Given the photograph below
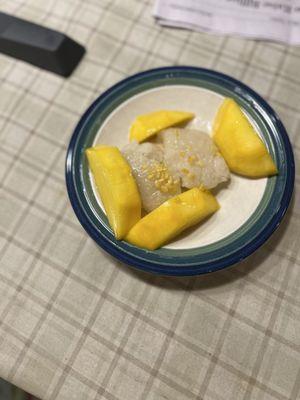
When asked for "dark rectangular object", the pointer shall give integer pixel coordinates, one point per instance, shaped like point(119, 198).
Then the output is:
point(40, 46)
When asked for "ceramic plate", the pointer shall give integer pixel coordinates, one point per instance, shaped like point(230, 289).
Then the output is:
point(250, 209)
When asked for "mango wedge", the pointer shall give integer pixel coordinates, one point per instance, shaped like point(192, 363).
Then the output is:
point(239, 144)
point(148, 125)
point(116, 186)
point(172, 217)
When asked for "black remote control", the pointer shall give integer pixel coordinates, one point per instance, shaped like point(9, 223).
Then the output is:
point(40, 46)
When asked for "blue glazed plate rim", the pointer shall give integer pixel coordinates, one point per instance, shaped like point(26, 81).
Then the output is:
point(131, 259)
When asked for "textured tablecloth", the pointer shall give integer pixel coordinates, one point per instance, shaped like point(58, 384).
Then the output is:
point(77, 324)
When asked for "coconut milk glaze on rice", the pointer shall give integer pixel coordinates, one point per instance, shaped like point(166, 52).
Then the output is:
point(181, 159)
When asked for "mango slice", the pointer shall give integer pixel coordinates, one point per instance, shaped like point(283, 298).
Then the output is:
point(172, 217)
point(147, 125)
point(116, 186)
point(240, 145)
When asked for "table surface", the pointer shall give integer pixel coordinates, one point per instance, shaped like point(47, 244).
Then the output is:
point(77, 324)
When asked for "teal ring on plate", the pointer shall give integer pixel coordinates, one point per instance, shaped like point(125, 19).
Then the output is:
point(221, 254)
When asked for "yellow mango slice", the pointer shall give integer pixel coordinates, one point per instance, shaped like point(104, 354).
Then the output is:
point(147, 125)
point(116, 186)
point(172, 217)
point(240, 145)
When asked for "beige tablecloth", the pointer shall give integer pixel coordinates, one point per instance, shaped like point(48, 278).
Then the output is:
point(75, 323)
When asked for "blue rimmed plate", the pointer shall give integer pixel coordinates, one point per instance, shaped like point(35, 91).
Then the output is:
point(250, 209)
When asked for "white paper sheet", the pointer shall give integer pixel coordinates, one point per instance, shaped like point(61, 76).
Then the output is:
point(261, 19)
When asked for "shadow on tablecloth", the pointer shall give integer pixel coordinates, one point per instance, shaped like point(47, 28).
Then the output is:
point(11, 392)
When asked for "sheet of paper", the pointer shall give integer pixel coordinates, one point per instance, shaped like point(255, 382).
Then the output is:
point(261, 19)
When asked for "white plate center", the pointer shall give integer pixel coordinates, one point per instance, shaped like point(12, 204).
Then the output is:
point(238, 200)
